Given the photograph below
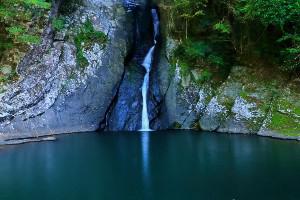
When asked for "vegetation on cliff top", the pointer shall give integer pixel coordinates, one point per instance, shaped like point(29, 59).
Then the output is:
point(234, 32)
point(21, 24)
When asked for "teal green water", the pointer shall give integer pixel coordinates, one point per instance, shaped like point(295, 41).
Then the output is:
point(158, 165)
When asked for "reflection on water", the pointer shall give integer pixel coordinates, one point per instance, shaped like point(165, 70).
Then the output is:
point(145, 137)
point(157, 165)
point(145, 153)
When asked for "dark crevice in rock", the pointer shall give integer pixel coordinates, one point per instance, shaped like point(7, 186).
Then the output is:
point(125, 113)
point(104, 123)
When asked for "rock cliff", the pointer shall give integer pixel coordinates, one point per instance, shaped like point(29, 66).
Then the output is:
point(251, 100)
point(54, 93)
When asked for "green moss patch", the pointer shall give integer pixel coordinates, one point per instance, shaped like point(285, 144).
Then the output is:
point(86, 37)
point(58, 23)
point(286, 113)
point(285, 124)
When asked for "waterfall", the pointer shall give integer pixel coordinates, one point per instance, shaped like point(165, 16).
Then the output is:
point(147, 64)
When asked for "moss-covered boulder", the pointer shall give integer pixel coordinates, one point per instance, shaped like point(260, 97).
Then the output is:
point(242, 102)
point(283, 120)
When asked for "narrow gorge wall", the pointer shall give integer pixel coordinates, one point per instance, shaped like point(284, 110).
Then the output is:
point(125, 113)
point(54, 94)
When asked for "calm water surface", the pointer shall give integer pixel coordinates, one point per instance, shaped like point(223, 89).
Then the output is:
point(157, 165)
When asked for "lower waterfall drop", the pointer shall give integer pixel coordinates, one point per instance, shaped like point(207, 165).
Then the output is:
point(147, 64)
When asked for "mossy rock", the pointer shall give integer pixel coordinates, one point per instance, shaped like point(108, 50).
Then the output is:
point(245, 97)
point(284, 117)
point(86, 37)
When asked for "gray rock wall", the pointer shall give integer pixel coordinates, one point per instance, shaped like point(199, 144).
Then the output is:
point(54, 95)
point(251, 100)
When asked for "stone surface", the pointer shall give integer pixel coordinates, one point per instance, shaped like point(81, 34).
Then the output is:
point(283, 120)
point(126, 110)
point(251, 100)
point(54, 95)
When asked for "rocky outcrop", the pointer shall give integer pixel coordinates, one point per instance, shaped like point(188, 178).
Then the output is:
point(183, 101)
point(242, 102)
point(252, 100)
point(54, 94)
point(283, 120)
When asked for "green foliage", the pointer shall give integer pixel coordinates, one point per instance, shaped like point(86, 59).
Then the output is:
point(222, 27)
point(21, 23)
point(58, 23)
point(16, 17)
point(183, 12)
point(205, 76)
point(284, 15)
point(266, 30)
point(86, 37)
point(193, 54)
point(276, 12)
point(189, 9)
point(192, 51)
point(291, 54)
point(216, 60)
point(19, 35)
point(176, 125)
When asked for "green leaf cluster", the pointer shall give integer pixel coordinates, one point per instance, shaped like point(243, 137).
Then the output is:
point(281, 15)
point(16, 20)
point(85, 38)
point(244, 31)
point(21, 24)
point(192, 54)
point(58, 23)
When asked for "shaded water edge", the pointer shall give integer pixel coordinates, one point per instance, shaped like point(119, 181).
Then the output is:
point(15, 139)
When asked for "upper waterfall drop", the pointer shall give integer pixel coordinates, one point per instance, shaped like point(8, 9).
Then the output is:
point(147, 64)
point(155, 24)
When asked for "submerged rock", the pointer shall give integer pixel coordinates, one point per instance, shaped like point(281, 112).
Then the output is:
point(27, 140)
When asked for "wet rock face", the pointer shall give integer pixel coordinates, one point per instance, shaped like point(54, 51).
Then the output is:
point(126, 113)
point(250, 101)
point(241, 103)
point(55, 95)
point(283, 120)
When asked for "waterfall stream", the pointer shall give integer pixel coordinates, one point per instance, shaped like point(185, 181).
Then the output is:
point(147, 64)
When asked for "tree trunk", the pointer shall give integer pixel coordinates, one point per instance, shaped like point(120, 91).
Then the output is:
point(186, 29)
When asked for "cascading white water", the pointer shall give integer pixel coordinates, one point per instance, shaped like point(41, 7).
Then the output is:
point(147, 65)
